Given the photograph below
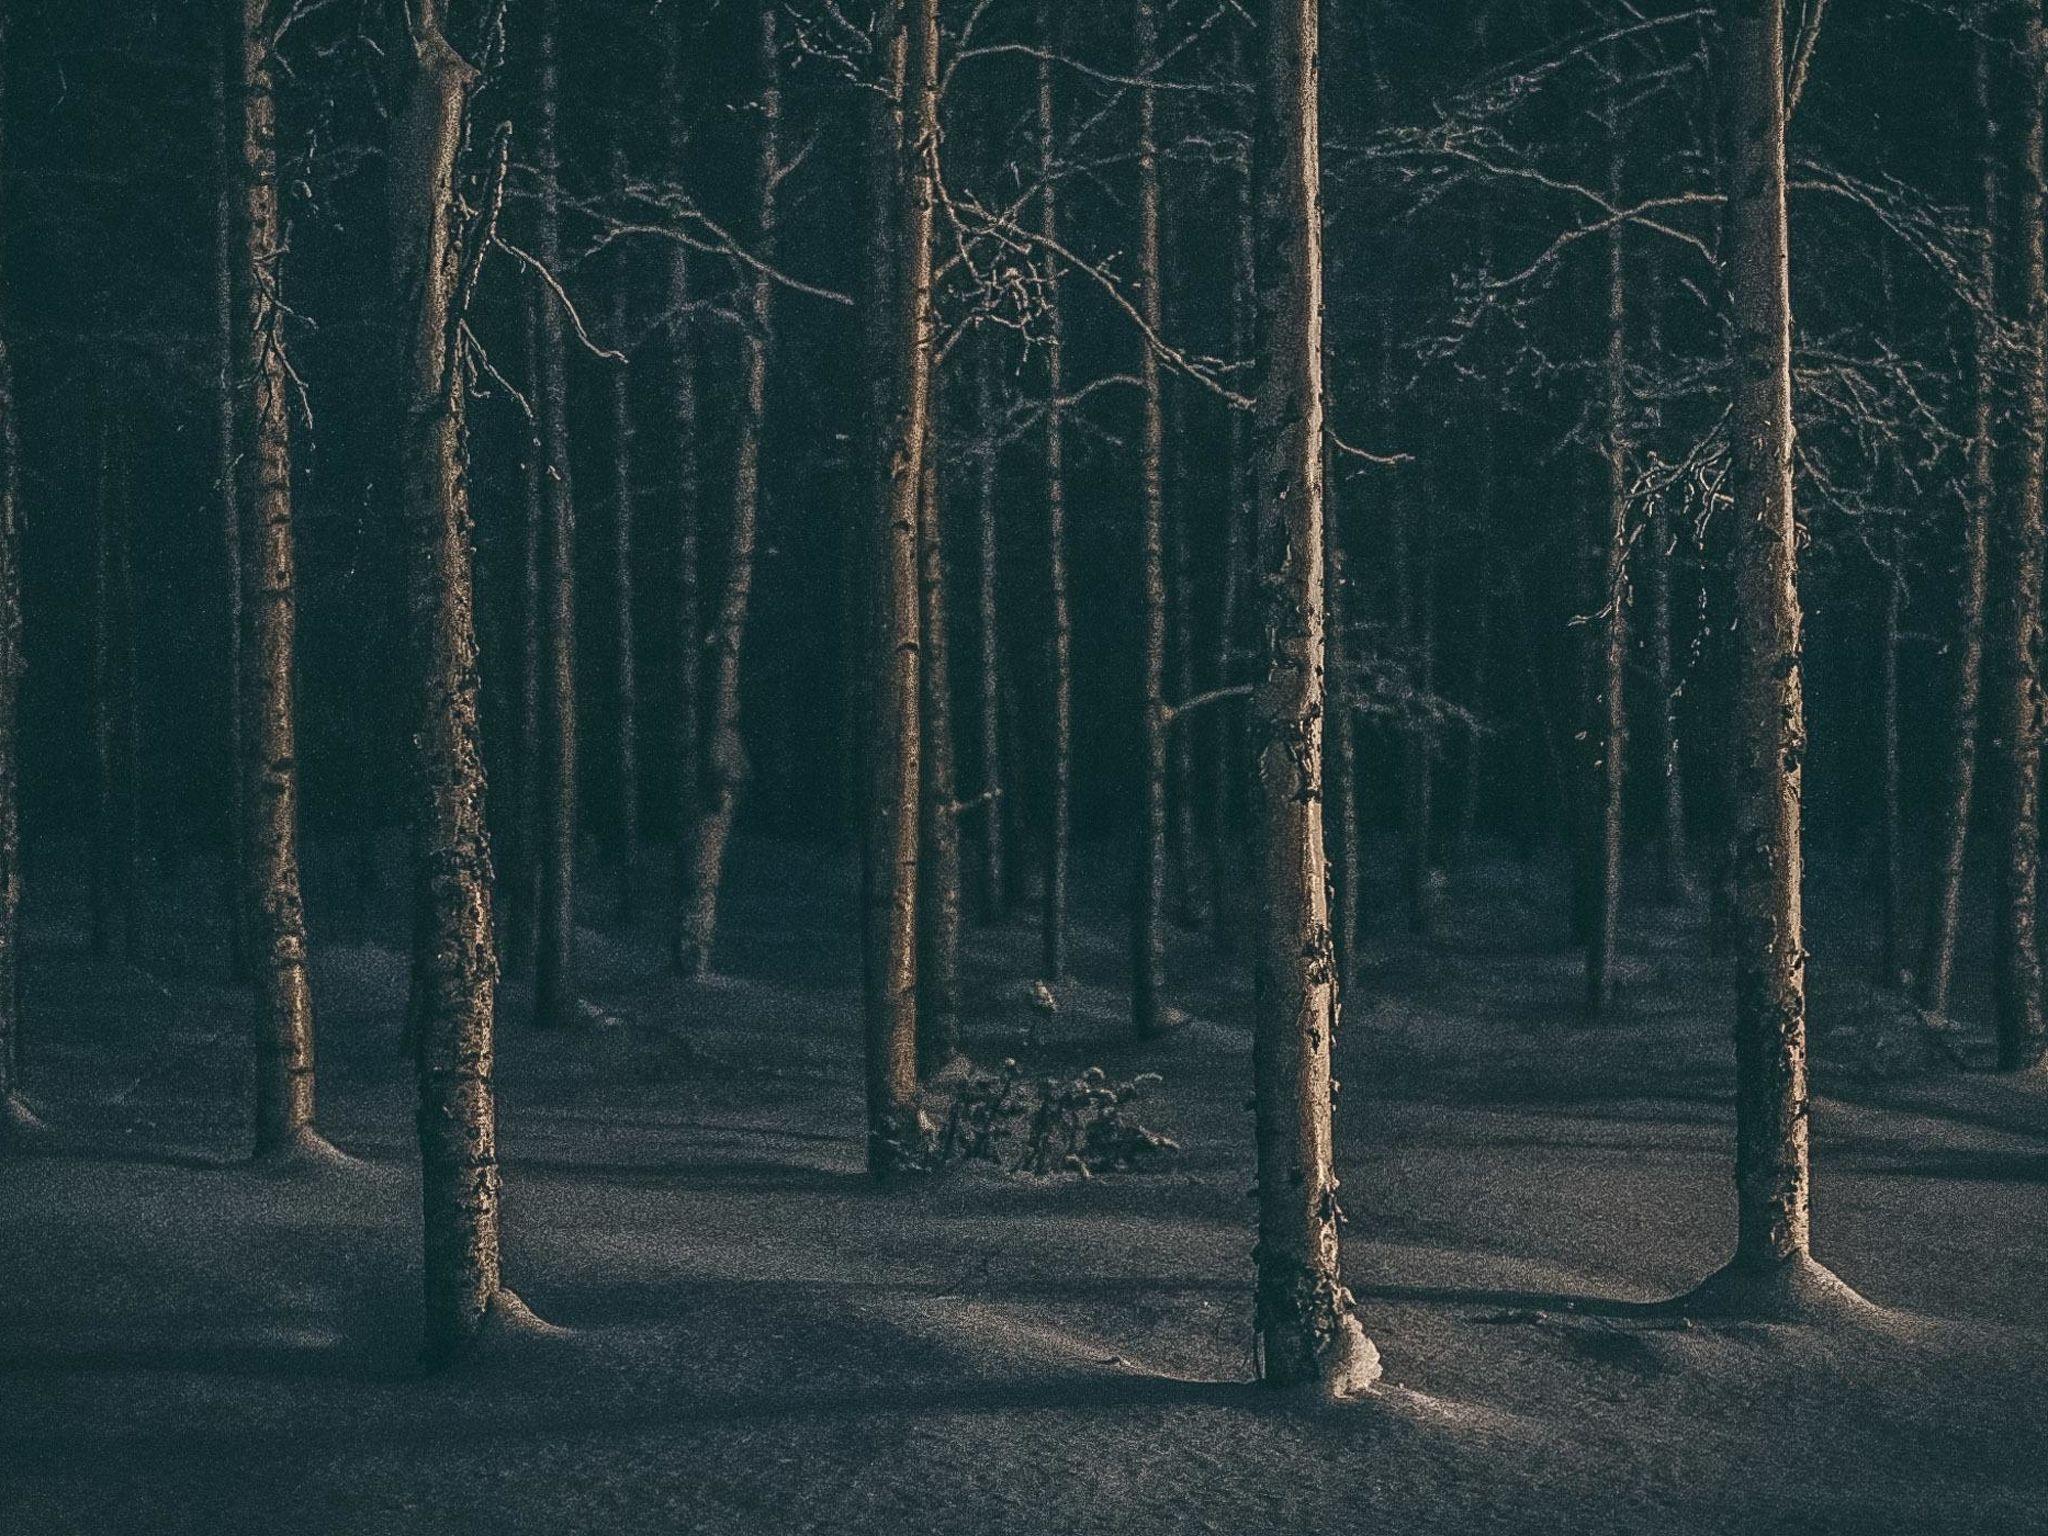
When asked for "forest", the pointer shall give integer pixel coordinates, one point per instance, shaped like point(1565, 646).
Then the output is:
point(721, 721)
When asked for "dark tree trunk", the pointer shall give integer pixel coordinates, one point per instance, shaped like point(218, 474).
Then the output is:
point(905, 122)
point(723, 769)
point(522, 881)
point(1953, 812)
point(1609, 726)
point(226, 454)
point(1891, 855)
point(988, 632)
point(1060, 667)
point(2017, 700)
point(270, 777)
point(1148, 906)
point(18, 1123)
point(103, 685)
point(555, 999)
point(1181, 788)
point(624, 641)
point(1340, 770)
point(455, 963)
point(1307, 1333)
point(689, 601)
point(1674, 861)
point(938, 870)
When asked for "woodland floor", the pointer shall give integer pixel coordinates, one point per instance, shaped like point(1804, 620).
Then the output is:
point(763, 1341)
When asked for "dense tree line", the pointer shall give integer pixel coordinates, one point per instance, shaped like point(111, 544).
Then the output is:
point(1213, 436)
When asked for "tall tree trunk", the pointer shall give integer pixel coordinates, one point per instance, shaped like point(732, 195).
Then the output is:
point(689, 602)
point(1891, 939)
point(989, 675)
point(1952, 817)
point(522, 880)
point(128, 866)
point(555, 1000)
point(938, 870)
point(1340, 770)
point(1772, 1273)
point(1307, 1333)
point(1060, 668)
point(103, 685)
point(18, 1122)
point(2017, 700)
point(1610, 715)
point(1148, 906)
point(226, 453)
point(270, 777)
point(455, 962)
point(906, 120)
point(723, 769)
point(1181, 786)
point(624, 641)
point(1674, 860)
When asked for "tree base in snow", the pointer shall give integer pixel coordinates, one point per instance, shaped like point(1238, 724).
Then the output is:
point(306, 1153)
point(1345, 1364)
point(508, 1330)
point(20, 1126)
point(1797, 1290)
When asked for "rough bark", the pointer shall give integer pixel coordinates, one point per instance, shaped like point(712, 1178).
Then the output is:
point(455, 967)
point(269, 603)
point(1148, 904)
point(988, 633)
point(624, 633)
point(938, 869)
point(722, 769)
point(555, 999)
point(1307, 1333)
point(1953, 811)
point(2017, 699)
point(1060, 625)
point(905, 120)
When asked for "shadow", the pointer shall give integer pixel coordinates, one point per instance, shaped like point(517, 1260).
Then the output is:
point(1520, 1306)
point(707, 1176)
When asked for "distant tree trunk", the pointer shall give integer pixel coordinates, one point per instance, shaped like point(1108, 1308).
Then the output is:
point(1773, 1272)
point(554, 973)
point(938, 870)
point(1610, 715)
point(455, 963)
point(1181, 790)
point(1307, 1333)
point(909, 39)
point(127, 848)
point(1891, 940)
point(226, 453)
point(624, 639)
point(1415, 582)
point(18, 1122)
point(2016, 644)
point(103, 683)
point(724, 761)
point(1148, 906)
point(1674, 859)
point(988, 678)
point(270, 778)
point(1060, 729)
point(522, 881)
point(1227, 743)
point(1952, 816)
point(689, 601)
point(1340, 770)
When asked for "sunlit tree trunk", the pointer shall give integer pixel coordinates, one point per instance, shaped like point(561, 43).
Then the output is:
point(270, 777)
point(455, 961)
point(1060, 626)
point(1307, 1333)
point(906, 120)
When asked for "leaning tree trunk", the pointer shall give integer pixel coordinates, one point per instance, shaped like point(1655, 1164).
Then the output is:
point(990, 673)
point(1060, 642)
point(226, 450)
point(624, 633)
point(1952, 816)
point(723, 761)
point(1307, 1333)
point(1148, 905)
point(938, 869)
point(554, 970)
point(269, 775)
point(689, 603)
point(455, 962)
point(1773, 1272)
point(2017, 701)
point(909, 40)
point(17, 1121)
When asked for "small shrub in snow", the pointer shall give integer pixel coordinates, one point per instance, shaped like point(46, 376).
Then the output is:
point(1039, 1125)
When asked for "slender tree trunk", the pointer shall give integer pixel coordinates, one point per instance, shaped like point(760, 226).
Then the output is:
point(555, 996)
point(1610, 715)
point(226, 455)
point(1891, 937)
point(102, 686)
point(938, 870)
point(724, 760)
point(2018, 701)
point(1674, 861)
point(1181, 787)
point(18, 1122)
point(689, 601)
point(455, 963)
point(523, 861)
point(1060, 669)
point(1952, 817)
point(1773, 1272)
point(128, 868)
point(1340, 775)
point(907, 120)
point(270, 778)
point(988, 679)
point(1148, 907)
point(1415, 582)
point(624, 634)
point(1307, 1333)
